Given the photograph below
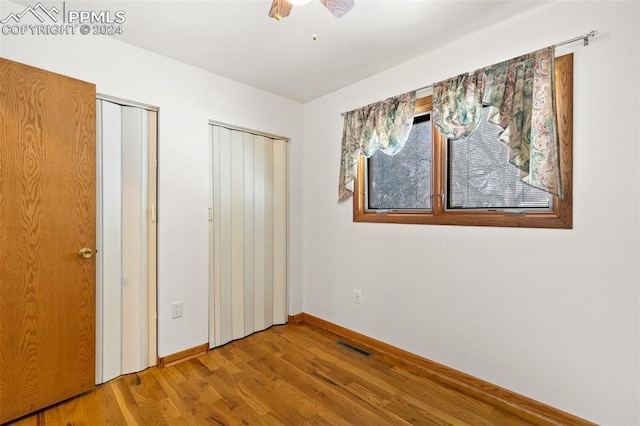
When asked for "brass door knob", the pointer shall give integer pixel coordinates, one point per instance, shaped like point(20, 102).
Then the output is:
point(87, 253)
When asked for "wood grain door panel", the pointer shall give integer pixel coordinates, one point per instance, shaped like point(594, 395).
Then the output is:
point(47, 214)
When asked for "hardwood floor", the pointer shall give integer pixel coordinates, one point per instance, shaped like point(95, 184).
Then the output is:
point(291, 374)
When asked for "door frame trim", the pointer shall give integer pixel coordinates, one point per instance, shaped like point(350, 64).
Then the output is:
point(125, 102)
point(247, 130)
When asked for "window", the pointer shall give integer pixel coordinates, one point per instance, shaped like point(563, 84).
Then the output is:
point(478, 177)
point(467, 181)
point(403, 181)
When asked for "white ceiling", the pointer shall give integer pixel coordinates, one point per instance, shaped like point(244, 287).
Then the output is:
point(236, 38)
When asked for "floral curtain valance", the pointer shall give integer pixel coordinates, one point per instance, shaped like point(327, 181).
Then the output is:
point(381, 126)
point(521, 96)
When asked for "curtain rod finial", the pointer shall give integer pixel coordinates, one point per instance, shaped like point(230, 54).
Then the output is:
point(589, 35)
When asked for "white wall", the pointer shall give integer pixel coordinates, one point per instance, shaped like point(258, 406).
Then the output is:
point(551, 314)
point(2, 16)
point(187, 98)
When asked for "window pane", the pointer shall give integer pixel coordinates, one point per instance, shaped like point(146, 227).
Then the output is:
point(403, 181)
point(480, 176)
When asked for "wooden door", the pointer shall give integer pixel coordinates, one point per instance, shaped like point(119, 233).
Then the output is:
point(47, 215)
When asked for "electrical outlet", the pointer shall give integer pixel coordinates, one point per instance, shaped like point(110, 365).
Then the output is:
point(357, 295)
point(176, 310)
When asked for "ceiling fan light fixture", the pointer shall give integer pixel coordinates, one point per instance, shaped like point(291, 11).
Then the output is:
point(282, 8)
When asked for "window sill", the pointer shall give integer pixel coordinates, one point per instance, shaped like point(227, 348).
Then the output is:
point(494, 219)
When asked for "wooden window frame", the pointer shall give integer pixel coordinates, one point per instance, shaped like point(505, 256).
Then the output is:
point(560, 217)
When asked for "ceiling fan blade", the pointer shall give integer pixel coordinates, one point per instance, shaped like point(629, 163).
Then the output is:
point(280, 9)
point(338, 8)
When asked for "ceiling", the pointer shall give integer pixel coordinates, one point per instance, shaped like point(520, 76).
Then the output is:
point(236, 38)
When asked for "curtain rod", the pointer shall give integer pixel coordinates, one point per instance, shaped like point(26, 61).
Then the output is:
point(585, 38)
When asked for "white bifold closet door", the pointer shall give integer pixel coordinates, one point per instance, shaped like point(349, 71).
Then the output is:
point(126, 152)
point(248, 264)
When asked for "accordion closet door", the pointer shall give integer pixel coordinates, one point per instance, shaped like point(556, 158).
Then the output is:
point(248, 237)
point(126, 259)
